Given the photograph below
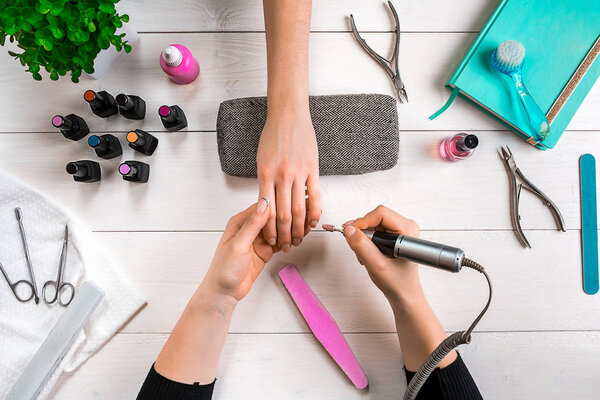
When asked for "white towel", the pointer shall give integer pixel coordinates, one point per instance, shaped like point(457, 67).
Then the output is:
point(24, 326)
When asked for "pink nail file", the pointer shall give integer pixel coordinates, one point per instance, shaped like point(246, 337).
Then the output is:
point(322, 325)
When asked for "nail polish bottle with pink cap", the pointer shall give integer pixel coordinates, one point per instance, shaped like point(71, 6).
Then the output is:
point(178, 62)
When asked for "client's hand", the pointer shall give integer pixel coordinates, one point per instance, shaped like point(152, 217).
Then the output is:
point(240, 256)
point(397, 279)
point(288, 169)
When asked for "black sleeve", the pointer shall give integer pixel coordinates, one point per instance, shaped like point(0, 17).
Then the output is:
point(157, 387)
point(453, 382)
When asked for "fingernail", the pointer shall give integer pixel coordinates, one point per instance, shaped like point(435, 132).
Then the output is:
point(347, 223)
point(272, 241)
point(262, 205)
point(285, 247)
point(313, 223)
point(296, 241)
point(349, 230)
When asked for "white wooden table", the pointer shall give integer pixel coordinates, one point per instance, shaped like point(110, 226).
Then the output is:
point(541, 338)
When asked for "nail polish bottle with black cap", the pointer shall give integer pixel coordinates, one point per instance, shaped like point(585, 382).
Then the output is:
point(142, 141)
point(101, 103)
point(130, 106)
point(72, 126)
point(106, 146)
point(135, 171)
point(84, 170)
point(172, 117)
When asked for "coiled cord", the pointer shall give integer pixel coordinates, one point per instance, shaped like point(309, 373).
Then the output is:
point(448, 344)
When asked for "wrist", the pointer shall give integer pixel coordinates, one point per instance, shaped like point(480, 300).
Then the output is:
point(205, 299)
point(407, 299)
point(287, 105)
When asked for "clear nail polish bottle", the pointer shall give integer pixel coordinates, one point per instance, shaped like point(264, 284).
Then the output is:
point(458, 147)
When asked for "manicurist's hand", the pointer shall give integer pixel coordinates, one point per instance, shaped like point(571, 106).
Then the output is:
point(419, 331)
point(192, 352)
point(397, 279)
point(288, 170)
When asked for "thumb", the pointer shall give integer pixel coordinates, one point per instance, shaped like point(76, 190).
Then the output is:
point(255, 222)
point(366, 251)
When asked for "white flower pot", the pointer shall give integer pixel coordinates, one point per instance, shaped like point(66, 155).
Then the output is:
point(106, 58)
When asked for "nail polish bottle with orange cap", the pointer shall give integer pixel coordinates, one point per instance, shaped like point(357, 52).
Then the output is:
point(142, 141)
point(101, 103)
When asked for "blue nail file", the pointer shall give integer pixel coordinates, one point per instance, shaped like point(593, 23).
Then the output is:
point(589, 223)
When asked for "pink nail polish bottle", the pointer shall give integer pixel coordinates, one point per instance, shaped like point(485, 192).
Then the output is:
point(178, 62)
point(458, 147)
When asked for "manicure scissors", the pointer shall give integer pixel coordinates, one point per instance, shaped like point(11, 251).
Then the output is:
point(390, 66)
point(59, 286)
point(14, 286)
point(19, 216)
point(515, 190)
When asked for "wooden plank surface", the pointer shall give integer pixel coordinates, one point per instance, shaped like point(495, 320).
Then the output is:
point(247, 15)
point(519, 365)
point(188, 191)
point(541, 338)
point(534, 289)
point(234, 65)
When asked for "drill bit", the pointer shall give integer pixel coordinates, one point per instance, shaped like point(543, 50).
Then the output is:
point(332, 228)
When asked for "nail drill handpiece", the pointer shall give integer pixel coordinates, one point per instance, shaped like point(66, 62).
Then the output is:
point(414, 249)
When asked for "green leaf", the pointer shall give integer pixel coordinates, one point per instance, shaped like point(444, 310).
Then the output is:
point(54, 75)
point(48, 45)
point(43, 9)
point(106, 6)
point(92, 27)
point(103, 42)
point(37, 76)
point(108, 31)
point(88, 68)
point(125, 18)
point(13, 54)
point(127, 48)
point(57, 32)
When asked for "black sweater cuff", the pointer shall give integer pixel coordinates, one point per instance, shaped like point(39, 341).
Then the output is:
point(453, 382)
point(157, 387)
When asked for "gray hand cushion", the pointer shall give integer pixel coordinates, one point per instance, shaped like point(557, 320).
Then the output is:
point(356, 133)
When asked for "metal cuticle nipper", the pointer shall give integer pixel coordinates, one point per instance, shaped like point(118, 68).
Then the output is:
point(390, 66)
point(515, 189)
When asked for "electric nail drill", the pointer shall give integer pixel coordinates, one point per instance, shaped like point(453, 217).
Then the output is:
point(434, 255)
point(130, 106)
point(414, 249)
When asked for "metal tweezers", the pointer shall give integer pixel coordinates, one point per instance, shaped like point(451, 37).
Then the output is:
point(515, 190)
point(390, 66)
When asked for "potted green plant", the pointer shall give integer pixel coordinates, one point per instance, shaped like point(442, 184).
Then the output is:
point(61, 36)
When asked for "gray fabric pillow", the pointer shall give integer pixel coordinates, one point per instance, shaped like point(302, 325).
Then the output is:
point(356, 133)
